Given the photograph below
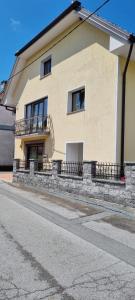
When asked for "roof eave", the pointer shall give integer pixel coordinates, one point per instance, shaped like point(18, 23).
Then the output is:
point(107, 26)
point(74, 6)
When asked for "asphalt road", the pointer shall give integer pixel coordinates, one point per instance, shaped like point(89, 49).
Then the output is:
point(55, 249)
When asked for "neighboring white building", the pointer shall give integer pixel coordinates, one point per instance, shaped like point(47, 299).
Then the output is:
point(6, 136)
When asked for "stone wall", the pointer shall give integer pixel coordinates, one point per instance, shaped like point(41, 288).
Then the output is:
point(115, 191)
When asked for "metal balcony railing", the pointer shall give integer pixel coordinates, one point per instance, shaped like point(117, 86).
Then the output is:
point(37, 124)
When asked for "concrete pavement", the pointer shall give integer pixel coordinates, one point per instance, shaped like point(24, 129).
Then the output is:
point(54, 248)
point(6, 176)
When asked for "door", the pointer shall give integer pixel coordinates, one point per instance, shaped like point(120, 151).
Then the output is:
point(35, 117)
point(35, 151)
point(28, 115)
point(36, 112)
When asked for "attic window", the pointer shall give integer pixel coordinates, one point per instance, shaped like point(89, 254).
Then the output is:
point(46, 67)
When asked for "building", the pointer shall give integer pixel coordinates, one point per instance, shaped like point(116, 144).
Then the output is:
point(74, 98)
point(7, 119)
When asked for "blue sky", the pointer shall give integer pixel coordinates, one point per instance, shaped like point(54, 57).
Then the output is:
point(21, 20)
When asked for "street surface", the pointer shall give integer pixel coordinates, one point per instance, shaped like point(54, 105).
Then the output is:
point(7, 176)
point(58, 248)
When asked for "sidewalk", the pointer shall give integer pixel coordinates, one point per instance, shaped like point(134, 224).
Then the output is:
point(126, 211)
point(102, 218)
point(6, 176)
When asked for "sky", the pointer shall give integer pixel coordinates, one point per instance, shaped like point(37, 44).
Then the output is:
point(21, 20)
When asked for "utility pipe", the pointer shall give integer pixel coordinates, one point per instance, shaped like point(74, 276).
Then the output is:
point(132, 41)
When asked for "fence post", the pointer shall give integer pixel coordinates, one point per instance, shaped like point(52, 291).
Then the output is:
point(56, 167)
point(32, 166)
point(16, 165)
point(130, 176)
point(89, 170)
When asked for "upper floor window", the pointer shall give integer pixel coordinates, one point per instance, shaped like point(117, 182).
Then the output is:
point(46, 67)
point(37, 108)
point(76, 100)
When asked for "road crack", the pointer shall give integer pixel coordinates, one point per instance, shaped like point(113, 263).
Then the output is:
point(43, 276)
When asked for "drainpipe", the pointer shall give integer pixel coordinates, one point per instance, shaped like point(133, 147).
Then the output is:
point(132, 41)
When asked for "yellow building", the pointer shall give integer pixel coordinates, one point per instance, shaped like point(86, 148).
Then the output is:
point(68, 86)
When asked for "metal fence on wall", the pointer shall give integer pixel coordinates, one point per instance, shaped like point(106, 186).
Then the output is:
point(23, 165)
point(43, 166)
point(72, 168)
point(109, 171)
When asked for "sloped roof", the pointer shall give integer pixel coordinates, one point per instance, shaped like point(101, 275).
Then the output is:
point(75, 6)
point(95, 20)
point(101, 23)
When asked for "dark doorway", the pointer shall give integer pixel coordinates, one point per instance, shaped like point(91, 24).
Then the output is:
point(35, 151)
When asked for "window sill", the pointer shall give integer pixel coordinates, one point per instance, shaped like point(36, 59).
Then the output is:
point(76, 111)
point(44, 76)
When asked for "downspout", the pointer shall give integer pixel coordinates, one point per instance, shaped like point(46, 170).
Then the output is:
point(132, 41)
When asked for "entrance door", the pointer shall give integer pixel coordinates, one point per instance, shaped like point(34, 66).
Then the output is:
point(35, 151)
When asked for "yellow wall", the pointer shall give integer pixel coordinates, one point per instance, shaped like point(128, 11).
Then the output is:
point(81, 60)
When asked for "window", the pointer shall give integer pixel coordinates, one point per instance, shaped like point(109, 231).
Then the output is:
point(36, 116)
point(77, 100)
point(37, 108)
point(46, 67)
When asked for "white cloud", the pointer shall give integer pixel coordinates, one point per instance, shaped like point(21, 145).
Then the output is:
point(14, 24)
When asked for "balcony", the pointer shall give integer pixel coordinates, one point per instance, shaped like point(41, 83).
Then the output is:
point(39, 125)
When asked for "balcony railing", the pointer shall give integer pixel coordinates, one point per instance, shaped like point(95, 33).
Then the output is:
point(37, 124)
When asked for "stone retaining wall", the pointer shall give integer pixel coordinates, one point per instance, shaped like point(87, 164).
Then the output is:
point(114, 191)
